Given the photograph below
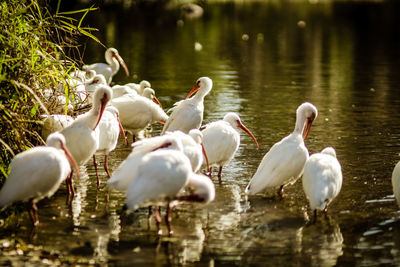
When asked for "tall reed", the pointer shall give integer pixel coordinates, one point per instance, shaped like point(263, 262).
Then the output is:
point(38, 49)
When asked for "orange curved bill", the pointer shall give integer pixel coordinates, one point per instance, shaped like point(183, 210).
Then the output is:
point(307, 128)
point(194, 90)
point(71, 159)
point(121, 129)
point(161, 122)
point(244, 129)
point(155, 100)
point(205, 155)
point(122, 62)
point(102, 107)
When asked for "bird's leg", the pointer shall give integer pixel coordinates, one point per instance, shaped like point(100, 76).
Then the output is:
point(106, 166)
point(168, 219)
point(70, 184)
point(220, 174)
point(210, 172)
point(280, 191)
point(35, 213)
point(158, 220)
point(30, 206)
point(95, 168)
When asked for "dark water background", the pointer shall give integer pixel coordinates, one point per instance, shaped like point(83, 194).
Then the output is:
point(346, 61)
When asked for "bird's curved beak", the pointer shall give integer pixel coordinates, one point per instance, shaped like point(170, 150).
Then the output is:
point(161, 122)
point(194, 90)
point(70, 159)
point(307, 127)
point(103, 104)
point(244, 129)
point(155, 100)
point(122, 62)
point(205, 155)
point(121, 129)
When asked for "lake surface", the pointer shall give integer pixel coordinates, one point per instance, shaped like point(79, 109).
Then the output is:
point(265, 59)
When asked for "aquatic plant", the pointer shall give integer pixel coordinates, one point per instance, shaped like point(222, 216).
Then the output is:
point(38, 49)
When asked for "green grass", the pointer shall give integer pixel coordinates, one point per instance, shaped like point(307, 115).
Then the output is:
point(38, 49)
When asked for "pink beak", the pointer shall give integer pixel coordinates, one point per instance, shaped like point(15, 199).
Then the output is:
point(121, 129)
point(122, 62)
point(194, 90)
point(70, 159)
point(205, 155)
point(244, 128)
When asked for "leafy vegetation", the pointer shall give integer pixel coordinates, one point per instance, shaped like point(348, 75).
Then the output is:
point(38, 50)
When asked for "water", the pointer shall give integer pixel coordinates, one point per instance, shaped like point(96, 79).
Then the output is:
point(345, 61)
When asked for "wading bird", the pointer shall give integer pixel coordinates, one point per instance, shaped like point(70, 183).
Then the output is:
point(160, 176)
point(322, 179)
point(108, 132)
point(37, 173)
point(188, 114)
point(284, 162)
point(80, 136)
point(192, 148)
point(221, 140)
point(108, 70)
point(137, 112)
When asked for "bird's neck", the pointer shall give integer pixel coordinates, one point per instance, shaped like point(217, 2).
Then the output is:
point(91, 117)
point(300, 121)
point(114, 64)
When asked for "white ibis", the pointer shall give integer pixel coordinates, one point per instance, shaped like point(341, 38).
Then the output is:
point(54, 123)
point(137, 112)
point(120, 90)
point(80, 136)
point(91, 86)
point(37, 173)
point(108, 132)
point(139, 88)
point(125, 172)
point(322, 179)
point(188, 114)
point(284, 162)
point(396, 182)
point(113, 60)
point(192, 147)
point(221, 140)
point(201, 189)
point(160, 176)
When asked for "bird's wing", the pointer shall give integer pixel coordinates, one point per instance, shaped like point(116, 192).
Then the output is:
point(29, 177)
point(283, 163)
point(185, 117)
point(160, 174)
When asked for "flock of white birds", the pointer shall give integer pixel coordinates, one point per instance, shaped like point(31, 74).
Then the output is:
point(164, 168)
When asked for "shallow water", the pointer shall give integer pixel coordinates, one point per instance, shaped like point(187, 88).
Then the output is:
point(345, 61)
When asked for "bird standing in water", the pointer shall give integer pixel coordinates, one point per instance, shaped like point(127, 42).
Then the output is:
point(284, 162)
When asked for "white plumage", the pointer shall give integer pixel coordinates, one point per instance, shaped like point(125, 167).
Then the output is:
point(322, 179)
point(108, 70)
point(37, 173)
point(108, 132)
point(221, 140)
point(396, 182)
point(126, 171)
point(136, 113)
point(284, 162)
point(192, 147)
point(81, 140)
point(188, 114)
